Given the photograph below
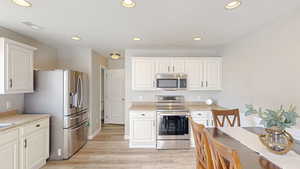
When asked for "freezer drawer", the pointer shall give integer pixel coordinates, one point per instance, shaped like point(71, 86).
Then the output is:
point(74, 139)
point(70, 121)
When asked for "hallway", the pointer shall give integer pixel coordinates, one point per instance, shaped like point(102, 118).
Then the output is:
point(109, 150)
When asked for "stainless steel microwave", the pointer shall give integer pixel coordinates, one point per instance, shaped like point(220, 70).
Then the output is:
point(171, 81)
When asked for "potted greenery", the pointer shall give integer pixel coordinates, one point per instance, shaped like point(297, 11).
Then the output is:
point(276, 139)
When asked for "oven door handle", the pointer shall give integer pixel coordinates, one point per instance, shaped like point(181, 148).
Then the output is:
point(165, 114)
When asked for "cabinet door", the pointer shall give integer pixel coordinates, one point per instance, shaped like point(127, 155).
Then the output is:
point(178, 65)
point(142, 133)
point(9, 155)
point(194, 68)
point(143, 74)
point(20, 69)
point(164, 65)
point(213, 74)
point(36, 148)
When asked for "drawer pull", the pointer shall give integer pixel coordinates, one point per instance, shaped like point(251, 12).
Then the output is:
point(142, 114)
point(199, 114)
point(38, 125)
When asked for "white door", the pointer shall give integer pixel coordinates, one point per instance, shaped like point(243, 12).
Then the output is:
point(143, 73)
point(9, 155)
point(20, 69)
point(114, 99)
point(36, 148)
point(164, 65)
point(213, 74)
point(178, 65)
point(194, 69)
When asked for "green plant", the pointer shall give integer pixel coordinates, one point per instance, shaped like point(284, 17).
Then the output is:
point(282, 118)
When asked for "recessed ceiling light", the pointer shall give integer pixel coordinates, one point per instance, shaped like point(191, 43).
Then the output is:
point(233, 4)
point(33, 26)
point(115, 56)
point(197, 38)
point(137, 39)
point(128, 3)
point(76, 38)
point(23, 3)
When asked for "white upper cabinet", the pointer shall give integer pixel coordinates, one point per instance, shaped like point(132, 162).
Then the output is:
point(143, 73)
point(194, 68)
point(170, 65)
point(164, 65)
point(16, 70)
point(178, 65)
point(203, 73)
point(212, 73)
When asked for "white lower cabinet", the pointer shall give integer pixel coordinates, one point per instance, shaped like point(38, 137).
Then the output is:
point(34, 144)
point(25, 147)
point(142, 129)
point(201, 117)
point(9, 150)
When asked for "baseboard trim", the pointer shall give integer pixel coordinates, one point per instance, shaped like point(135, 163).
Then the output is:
point(90, 137)
point(126, 137)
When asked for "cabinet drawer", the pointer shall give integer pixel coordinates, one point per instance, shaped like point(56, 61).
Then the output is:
point(144, 114)
point(200, 114)
point(8, 136)
point(36, 125)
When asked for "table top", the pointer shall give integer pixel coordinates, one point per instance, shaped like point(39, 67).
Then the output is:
point(249, 158)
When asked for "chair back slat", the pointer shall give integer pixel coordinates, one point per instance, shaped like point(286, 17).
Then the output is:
point(232, 117)
point(223, 157)
point(202, 151)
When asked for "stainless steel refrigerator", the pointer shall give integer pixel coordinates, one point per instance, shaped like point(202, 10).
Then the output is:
point(64, 95)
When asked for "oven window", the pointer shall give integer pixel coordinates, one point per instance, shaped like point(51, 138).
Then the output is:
point(167, 83)
point(173, 125)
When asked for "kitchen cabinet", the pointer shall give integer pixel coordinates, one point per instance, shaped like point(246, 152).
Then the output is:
point(142, 129)
point(204, 73)
point(201, 117)
point(16, 70)
point(143, 73)
point(195, 72)
point(170, 65)
point(34, 144)
point(9, 150)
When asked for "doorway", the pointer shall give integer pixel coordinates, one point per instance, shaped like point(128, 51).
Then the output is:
point(114, 92)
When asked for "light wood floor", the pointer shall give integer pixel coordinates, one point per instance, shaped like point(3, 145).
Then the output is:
point(109, 150)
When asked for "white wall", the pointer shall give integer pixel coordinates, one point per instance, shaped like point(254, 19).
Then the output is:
point(136, 96)
point(44, 58)
point(264, 68)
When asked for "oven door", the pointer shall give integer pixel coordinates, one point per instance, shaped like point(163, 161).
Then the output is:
point(172, 126)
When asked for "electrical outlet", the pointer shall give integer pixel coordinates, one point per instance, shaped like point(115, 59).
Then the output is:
point(8, 105)
point(141, 97)
point(199, 98)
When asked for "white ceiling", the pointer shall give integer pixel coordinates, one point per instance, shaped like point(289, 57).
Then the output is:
point(105, 25)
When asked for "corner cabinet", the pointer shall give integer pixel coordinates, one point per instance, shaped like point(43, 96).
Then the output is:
point(16, 67)
point(204, 73)
point(142, 129)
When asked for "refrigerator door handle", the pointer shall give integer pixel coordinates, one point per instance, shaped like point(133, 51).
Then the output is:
point(81, 92)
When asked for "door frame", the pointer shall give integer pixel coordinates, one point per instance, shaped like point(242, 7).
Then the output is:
point(100, 91)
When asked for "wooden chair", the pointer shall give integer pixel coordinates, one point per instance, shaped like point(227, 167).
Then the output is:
point(231, 116)
point(203, 155)
point(223, 157)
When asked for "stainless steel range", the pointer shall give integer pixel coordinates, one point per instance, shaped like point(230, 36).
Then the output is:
point(173, 124)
